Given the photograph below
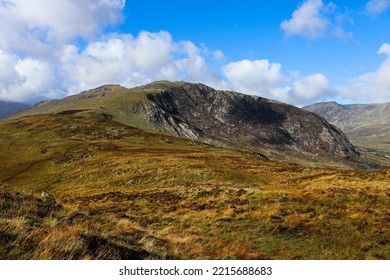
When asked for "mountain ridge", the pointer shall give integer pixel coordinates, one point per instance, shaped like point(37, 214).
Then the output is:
point(351, 115)
point(221, 118)
point(366, 125)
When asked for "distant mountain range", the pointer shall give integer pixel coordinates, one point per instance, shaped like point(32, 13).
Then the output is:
point(219, 118)
point(8, 108)
point(366, 125)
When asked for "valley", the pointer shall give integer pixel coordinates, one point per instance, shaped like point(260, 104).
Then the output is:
point(366, 125)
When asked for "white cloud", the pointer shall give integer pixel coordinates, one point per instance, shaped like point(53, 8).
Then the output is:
point(132, 61)
point(373, 86)
point(121, 59)
point(193, 67)
point(8, 74)
point(376, 7)
point(306, 90)
point(219, 55)
point(39, 58)
point(260, 77)
point(307, 20)
point(36, 27)
point(33, 35)
point(35, 76)
point(256, 77)
point(313, 19)
point(26, 79)
point(310, 89)
point(384, 49)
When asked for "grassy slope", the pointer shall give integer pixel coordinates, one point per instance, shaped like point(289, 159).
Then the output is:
point(377, 147)
point(124, 193)
point(113, 99)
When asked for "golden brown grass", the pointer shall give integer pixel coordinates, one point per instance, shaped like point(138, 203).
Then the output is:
point(123, 193)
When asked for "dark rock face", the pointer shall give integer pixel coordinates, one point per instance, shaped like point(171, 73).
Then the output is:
point(246, 122)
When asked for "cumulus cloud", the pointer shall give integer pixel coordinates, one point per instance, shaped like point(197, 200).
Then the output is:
point(384, 49)
point(219, 55)
point(311, 87)
point(41, 59)
point(376, 7)
point(313, 19)
point(8, 74)
point(260, 77)
point(373, 86)
point(33, 35)
point(120, 58)
point(257, 76)
point(37, 27)
point(307, 20)
point(41, 56)
point(27, 78)
point(304, 90)
point(193, 67)
point(131, 61)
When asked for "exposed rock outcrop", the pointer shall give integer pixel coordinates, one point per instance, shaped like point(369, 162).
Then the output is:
point(245, 122)
point(220, 118)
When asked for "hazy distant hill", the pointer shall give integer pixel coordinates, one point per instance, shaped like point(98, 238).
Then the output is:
point(220, 118)
point(8, 108)
point(366, 125)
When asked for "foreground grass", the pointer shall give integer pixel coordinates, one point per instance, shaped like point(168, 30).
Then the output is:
point(123, 193)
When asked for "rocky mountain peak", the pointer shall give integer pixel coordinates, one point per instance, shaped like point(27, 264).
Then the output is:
point(239, 121)
point(216, 117)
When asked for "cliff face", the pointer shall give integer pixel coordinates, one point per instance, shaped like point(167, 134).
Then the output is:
point(220, 118)
point(245, 122)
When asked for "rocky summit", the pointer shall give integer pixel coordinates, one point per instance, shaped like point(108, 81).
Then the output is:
point(220, 118)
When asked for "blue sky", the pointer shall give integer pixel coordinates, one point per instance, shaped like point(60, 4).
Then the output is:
point(250, 29)
point(298, 52)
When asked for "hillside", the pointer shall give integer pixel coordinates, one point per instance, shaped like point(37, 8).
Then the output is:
point(366, 125)
point(122, 193)
point(8, 108)
point(221, 118)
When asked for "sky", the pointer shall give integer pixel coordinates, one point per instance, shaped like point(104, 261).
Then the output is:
point(299, 52)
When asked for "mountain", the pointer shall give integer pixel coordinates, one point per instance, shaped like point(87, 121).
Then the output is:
point(367, 125)
point(220, 118)
point(8, 108)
